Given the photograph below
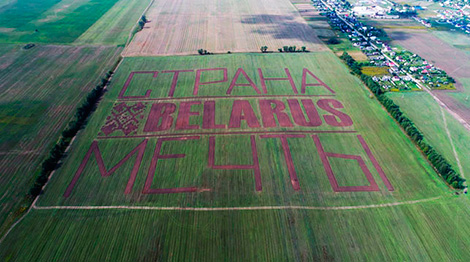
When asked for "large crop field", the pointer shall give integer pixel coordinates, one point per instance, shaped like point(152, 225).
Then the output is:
point(187, 155)
point(178, 27)
point(40, 89)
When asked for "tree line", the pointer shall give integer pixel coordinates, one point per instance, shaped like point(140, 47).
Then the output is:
point(440, 164)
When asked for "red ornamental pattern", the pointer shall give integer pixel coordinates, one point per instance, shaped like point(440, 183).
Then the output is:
point(124, 118)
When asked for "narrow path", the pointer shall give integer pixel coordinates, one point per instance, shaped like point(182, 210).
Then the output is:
point(236, 208)
point(452, 143)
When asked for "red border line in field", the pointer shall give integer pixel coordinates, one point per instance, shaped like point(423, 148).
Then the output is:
point(238, 208)
point(234, 133)
point(215, 97)
point(375, 163)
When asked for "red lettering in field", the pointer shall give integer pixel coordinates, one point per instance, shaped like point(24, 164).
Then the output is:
point(288, 157)
point(375, 163)
point(153, 166)
point(268, 112)
point(288, 78)
point(242, 110)
point(329, 105)
point(160, 118)
point(176, 73)
point(235, 78)
point(298, 115)
point(331, 176)
point(254, 166)
point(198, 78)
point(319, 82)
point(128, 81)
point(182, 122)
point(94, 149)
point(209, 116)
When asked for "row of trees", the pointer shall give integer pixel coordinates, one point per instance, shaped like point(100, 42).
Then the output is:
point(78, 122)
point(292, 49)
point(435, 158)
point(204, 52)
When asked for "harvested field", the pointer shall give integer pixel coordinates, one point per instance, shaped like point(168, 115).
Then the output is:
point(39, 91)
point(306, 10)
point(180, 27)
point(454, 61)
point(225, 161)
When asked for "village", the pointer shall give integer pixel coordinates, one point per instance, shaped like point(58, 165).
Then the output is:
point(407, 71)
point(455, 13)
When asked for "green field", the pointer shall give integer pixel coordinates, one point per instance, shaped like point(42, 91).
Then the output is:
point(410, 231)
point(40, 89)
point(427, 115)
point(49, 21)
point(227, 157)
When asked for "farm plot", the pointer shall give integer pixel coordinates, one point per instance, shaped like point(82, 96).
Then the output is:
point(455, 61)
point(201, 132)
point(115, 26)
point(442, 131)
point(49, 21)
point(184, 26)
point(39, 91)
point(210, 157)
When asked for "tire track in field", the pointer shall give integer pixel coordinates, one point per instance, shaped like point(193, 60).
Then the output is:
point(236, 208)
point(452, 143)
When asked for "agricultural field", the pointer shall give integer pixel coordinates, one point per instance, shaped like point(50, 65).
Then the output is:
point(438, 126)
point(187, 144)
point(40, 89)
point(453, 59)
point(182, 27)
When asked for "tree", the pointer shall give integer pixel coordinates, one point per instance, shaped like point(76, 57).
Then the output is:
point(333, 41)
point(264, 49)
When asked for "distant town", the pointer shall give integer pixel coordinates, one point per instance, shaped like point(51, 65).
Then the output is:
point(407, 71)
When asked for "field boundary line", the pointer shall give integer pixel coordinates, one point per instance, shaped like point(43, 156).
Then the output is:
point(33, 205)
point(236, 208)
point(129, 38)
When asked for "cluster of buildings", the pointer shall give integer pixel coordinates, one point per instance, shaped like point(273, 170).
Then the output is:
point(405, 67)
point(455, 13)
